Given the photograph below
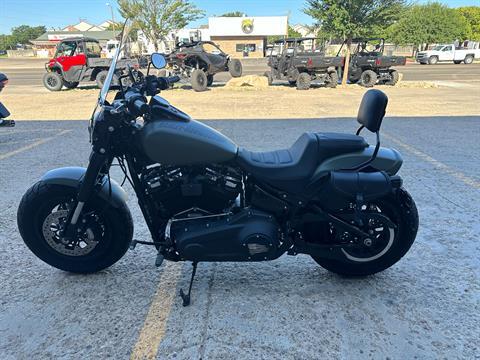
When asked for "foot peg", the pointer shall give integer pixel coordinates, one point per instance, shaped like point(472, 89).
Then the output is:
point(186, 297)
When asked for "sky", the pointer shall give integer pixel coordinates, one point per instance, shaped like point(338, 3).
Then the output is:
point(60, 13)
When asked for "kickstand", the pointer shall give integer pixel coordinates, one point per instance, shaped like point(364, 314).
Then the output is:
point(186, 297)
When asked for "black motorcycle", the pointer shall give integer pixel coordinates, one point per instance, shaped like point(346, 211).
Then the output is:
point(330, 195)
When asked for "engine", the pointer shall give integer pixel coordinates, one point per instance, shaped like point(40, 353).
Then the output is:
point(248, 235)
point(176, 189)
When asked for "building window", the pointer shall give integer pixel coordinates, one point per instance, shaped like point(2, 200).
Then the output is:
point(246, 47)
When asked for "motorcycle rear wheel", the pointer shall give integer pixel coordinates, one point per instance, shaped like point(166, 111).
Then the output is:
point(105, 237)
point(402, 211)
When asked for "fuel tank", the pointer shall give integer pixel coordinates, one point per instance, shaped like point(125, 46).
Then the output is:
point(185, 142)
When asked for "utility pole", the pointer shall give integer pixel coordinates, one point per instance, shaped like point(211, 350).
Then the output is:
point(113, 19)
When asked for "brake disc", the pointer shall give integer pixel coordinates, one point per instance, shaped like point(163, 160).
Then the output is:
point(51, 229)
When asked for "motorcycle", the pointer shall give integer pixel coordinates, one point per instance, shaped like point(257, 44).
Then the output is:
point(4, 113)
point(205, 199)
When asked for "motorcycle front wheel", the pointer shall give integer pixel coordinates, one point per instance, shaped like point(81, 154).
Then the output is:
point(388, 243)
point(104, 237)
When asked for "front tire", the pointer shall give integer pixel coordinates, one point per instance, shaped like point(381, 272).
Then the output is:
point(235, 68)
point(199, 80)
point(432, 60)
point(105, 238)
point(402, 211)
point(53, 81)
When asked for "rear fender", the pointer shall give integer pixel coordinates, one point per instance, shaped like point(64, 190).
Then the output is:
point(73, 176)
point(388, 160)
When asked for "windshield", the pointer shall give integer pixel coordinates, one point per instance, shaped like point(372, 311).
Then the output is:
point(438, 47)
point(122, 51)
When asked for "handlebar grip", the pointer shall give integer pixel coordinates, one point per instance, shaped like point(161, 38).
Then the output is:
point(140, 106)
point(165, 82)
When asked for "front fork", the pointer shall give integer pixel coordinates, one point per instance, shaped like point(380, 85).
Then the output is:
point(99, 164)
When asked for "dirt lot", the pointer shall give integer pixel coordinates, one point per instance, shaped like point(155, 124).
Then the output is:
point(280, 102)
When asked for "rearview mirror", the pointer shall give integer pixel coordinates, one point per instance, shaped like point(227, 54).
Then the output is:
point(158, 61)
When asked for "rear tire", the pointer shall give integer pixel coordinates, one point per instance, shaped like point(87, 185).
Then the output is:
point(199, 80)
point(70, 85)
point(235, 68)
point(368, 78)
point(402, 211)
point(100, 78)
point(107, 236)
point(432, 60)
point(394, 80)
point(468, 59)
point(332, 80)
point(304, 81)
point(53, 81)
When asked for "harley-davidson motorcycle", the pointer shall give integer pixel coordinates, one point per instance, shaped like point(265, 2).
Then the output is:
point(330, 195)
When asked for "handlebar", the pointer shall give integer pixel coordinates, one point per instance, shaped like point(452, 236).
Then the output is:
point(137, 102)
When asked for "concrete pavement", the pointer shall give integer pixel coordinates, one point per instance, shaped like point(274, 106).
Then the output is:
point(424, 307)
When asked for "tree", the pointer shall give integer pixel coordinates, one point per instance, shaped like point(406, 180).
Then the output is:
point(23, 34)
point(114, 27)
point(6, 42)
point(292, 33)
point(157, 18)
point(234, 14)
point(353, 18)
point(472, 15)
point(429, 23)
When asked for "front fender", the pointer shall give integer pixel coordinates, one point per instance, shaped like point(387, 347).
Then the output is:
point(73, 176)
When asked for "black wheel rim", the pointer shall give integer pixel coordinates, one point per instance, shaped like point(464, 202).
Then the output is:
point(52, 81)
point(87, 240)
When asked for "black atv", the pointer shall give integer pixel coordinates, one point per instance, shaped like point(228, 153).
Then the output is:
point(199, 61)
point(301, 61)
point(369, 66)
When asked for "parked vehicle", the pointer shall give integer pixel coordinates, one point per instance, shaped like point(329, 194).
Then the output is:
point(301, 61)
point(447, 52)
point(369, 66)
point(110, 48)
point(4, 113)
point(330, 195)
point(78, 59)
point(199, 61)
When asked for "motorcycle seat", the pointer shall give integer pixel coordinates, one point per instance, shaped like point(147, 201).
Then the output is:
point(290, 169)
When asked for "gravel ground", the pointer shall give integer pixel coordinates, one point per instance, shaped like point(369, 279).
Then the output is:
point(424, 307)
point(277, 102)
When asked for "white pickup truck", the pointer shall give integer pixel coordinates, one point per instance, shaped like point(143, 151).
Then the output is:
point(447, 53)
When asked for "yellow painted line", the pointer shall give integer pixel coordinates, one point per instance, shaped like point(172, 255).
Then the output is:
point(155, 323)
point(13, 131)
point(32, 145)
point(438, 164)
